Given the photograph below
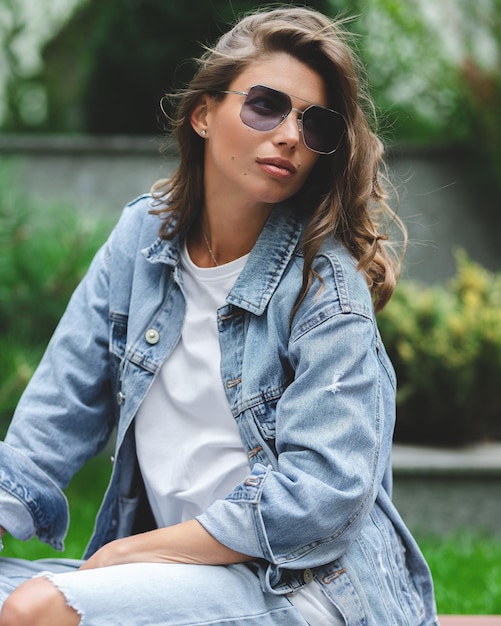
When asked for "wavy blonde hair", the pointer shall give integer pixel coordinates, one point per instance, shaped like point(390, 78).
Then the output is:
point(347, 192)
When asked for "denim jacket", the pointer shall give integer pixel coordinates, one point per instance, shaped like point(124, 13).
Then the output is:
point(313, 396)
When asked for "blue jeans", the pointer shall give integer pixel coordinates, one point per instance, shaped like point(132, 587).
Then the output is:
point(158, 594)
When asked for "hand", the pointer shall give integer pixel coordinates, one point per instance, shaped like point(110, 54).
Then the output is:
point(108, 555)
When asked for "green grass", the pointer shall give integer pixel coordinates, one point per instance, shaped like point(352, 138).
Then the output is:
point(466, 566)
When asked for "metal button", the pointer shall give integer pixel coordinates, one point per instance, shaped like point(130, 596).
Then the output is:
point(307, 576)
point(152, 336)
point(120, 397)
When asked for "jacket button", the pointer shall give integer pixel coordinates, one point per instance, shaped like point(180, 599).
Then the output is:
point(120, 398)
point(307, 576)
point(152, 336)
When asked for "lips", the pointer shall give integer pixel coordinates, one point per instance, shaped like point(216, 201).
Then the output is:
point(276, 166)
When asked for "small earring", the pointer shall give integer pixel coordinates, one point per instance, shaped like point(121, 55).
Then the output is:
point(203, 133)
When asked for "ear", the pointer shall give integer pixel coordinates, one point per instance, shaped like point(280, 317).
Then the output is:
point(199, 115)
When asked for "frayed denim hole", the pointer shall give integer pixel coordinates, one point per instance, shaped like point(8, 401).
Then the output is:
point(51, 577)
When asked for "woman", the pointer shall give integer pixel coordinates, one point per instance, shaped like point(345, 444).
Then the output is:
point(237, 355)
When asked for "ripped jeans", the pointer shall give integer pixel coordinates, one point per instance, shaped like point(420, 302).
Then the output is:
point(143, 594)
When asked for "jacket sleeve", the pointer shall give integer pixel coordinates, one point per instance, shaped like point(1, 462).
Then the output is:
point(65, 416)
point(334, 426)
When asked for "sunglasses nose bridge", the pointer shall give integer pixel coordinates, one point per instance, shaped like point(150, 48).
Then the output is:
point(299, 121)
point(299, 117)
point(300, 124)
point(287, 118)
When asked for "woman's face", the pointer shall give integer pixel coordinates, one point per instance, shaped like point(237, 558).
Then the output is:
point(244, 165)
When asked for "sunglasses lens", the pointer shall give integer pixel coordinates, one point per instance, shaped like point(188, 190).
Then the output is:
point(265, 108)
point(322, 129)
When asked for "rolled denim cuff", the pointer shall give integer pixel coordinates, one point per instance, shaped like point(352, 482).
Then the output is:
point(46, 503)
point(15, 517)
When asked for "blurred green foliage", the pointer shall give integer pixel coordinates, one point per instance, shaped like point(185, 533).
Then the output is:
point(434, 69)
point(445, 344)
point(44, 252)
point(119, 58)
point(434, 72)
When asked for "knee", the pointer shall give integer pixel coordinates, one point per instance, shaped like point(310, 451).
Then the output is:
point(26, 603)
point(14, 612)
point(35, 603)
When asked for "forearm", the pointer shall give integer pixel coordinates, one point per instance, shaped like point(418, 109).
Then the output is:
point(187, 542)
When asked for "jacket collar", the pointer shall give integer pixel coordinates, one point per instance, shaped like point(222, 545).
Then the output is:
point(267, 261)
point(266, 264)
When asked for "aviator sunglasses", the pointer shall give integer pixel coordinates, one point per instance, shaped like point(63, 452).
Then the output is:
point(265, 108)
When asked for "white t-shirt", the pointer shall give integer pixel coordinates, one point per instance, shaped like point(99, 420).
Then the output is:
point(188, 444)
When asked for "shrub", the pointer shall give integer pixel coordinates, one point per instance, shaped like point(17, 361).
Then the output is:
point(44, 252)
point(445, 343)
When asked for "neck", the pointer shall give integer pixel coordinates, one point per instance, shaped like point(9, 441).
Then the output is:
point(219, 239)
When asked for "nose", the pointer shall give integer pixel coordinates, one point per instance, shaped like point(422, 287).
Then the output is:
point(287, 133)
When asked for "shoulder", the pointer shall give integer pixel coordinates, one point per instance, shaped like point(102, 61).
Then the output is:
point(137, 220)
point(137, 229)
point(335, 261)
point(338, 294)
point(338, 284)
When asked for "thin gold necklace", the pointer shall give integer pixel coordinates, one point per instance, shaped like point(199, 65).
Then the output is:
point(209, 249)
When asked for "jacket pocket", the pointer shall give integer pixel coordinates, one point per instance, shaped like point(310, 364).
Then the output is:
point(117, 347)
point(118, 334)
